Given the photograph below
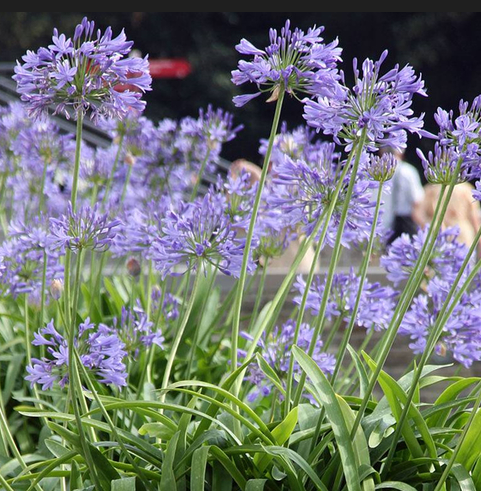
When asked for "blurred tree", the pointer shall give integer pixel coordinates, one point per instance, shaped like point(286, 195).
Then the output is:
point(443, 46)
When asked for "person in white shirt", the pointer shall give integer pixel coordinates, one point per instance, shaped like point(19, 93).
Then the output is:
point(402, 208)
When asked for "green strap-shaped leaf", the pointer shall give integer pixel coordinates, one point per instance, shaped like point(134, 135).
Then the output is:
point(167, 480)
point(281, 434)
point(359, 442)
point(124, 484)
point(256, 484)
point(199, 464)
point(326, 395)
point(400, 486)
point(470, 450)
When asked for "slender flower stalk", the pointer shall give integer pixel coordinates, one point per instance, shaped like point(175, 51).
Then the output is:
point(198, 179)
point(310, 277)
point(180, 332)
point(358, 149)
point(409, 291)
point(250, 234)
point(363, 273)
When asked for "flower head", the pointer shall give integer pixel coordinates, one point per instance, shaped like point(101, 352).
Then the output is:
point(200, 231)
point(294, 62)
point(99, 348)
point(378, 104)
point(83, 229)
point(276, 350)
point(88, 73)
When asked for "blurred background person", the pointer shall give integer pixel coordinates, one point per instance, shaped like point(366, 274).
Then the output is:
point(402, 210)
point(462, 211)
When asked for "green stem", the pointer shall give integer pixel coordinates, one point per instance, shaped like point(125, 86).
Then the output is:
point(333, 264)
point(362, 273)
point(42, 186)
point(78, 147)
point(110, 181)
point(180, 332)
point(195, 189)
point(408, 294)
point(195, 339)
point(250, 234)
point(260, 291)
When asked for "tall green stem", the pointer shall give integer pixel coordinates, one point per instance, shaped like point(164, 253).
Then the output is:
point(180, 332)
point(310, 277)
point(362, 273)
point(408, 294)
point(199, 177)
point(250, 234)
point(110, 181)
point(333, 264)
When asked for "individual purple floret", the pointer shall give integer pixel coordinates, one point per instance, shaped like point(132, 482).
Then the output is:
point(276, 350)
point(378, 104)
point(100, 350)
point(445, 261)
point(84, 229)
point(200, 231)
point(294, 62)
point(89, 73)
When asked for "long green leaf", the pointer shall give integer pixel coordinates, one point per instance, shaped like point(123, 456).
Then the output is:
point(334, 414)
point(199, 464)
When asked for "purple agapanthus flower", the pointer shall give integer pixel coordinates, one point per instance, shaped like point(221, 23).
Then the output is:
point(89, 73)
point(458, 144)
point(378, 104)
point(276, 350)
point(136, 331)
point(381, 168)
point(200, 231)
point(100, 351)
point(461, 335)
point(304, 189)
point(24, 253)
point(375, 308)
point(84, 229)
point(445, 261)
point(294, 62)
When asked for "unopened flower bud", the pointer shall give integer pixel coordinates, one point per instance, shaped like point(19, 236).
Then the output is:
point(56, 288)
point(129, 159)
point(133, 267)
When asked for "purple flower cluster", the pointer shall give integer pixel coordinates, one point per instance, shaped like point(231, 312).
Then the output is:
point(135, 331)
point(378, 104)
point(458, 145)
point(276, 350)
point(375, 309)
point(461, 334)
point(445, 261)
point(23, 254)
point(200, 231)
point(304, 190)
point(294, 62)
point(100, 351)
point(82, 230)
point(89, 73)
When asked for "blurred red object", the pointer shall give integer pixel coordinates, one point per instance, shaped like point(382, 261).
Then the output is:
point(170, 68)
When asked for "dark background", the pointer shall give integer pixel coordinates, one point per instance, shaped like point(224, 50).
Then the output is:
point(445, 47)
